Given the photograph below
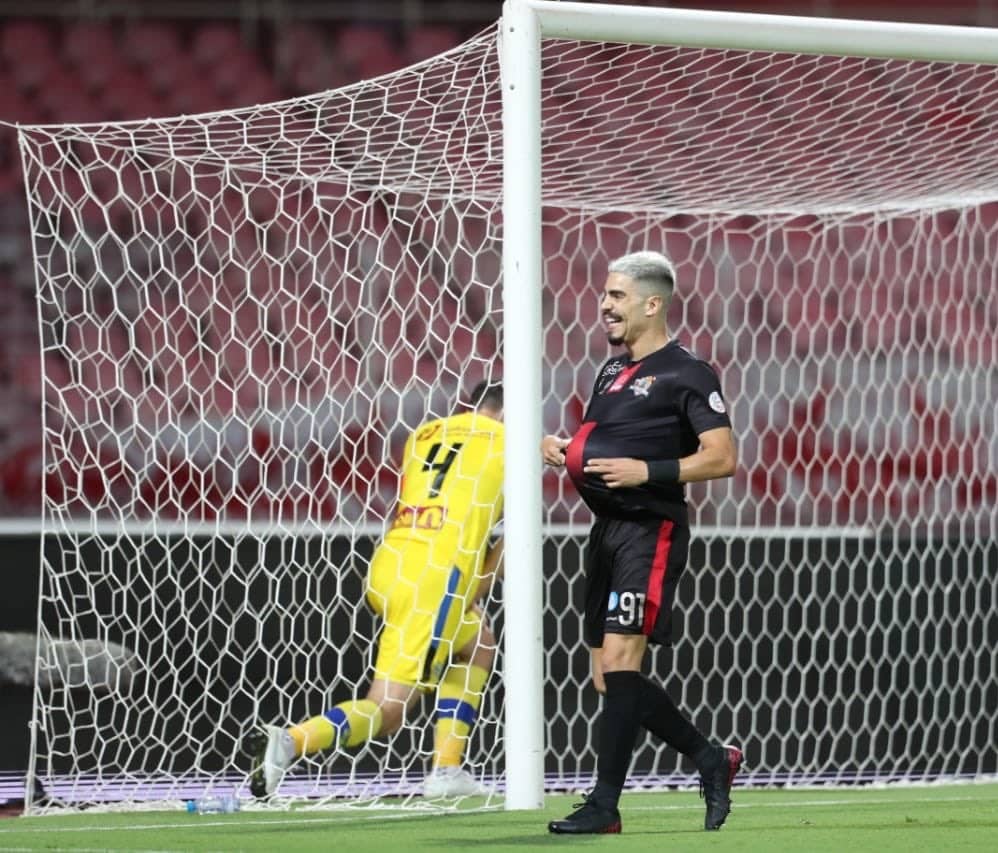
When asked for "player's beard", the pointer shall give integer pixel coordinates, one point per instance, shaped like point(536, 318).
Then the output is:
point(615, 339)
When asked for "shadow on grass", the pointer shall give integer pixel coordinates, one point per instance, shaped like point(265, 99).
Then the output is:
point(534, 833)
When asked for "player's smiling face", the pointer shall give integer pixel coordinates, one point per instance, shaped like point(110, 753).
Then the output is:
point(623, 309)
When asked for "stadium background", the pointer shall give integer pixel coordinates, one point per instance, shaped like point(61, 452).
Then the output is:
point(117, 62)
point(88, 61)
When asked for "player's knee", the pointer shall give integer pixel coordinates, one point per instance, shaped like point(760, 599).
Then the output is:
point(485, 649)
point(483, 656)
point(392, 717)
point(392, 701)
point(480, 651)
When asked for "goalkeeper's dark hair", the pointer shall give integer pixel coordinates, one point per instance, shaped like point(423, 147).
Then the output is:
point(488, 394)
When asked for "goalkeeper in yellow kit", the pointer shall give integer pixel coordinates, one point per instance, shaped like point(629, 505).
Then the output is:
point(423, 581)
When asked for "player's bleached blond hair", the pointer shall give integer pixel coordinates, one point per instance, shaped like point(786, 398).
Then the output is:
point(652, 272)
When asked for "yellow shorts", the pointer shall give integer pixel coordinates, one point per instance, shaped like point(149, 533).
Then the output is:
point(425, 608)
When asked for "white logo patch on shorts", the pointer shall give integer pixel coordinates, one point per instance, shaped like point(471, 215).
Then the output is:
point(716, 403)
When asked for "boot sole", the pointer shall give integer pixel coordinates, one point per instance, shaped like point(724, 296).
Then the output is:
point(612, 829)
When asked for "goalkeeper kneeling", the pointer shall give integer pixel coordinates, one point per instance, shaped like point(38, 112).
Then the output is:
point(425, 581)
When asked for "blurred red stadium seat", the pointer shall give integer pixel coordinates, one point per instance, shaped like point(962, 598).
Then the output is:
point(216, 44)
point(300, 42)
point(90, 48)
point(170, 74)
point(63, 98)
point(427, 41)
point(21, 474)
point(366, 51)
point(15, 107)
point(147, 43)
point(188, 95)
point(100, 71)
point(32, 72)
point(128, 95)
point(353, 42)
point(24, 38)
point(85, 41)
point(305, 61)
point(256, 87)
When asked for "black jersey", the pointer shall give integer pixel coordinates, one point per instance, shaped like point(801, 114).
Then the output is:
point(654, 408)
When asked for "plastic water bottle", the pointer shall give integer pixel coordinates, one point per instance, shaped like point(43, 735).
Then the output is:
point(224, 804)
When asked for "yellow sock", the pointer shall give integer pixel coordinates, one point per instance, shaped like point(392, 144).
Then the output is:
point(458, 698)
point(347, 724)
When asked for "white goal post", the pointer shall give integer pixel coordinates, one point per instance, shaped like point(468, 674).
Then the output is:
point(243, 314)
point(524, 24)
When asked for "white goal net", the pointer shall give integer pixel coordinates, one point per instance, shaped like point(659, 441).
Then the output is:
point(244, 313)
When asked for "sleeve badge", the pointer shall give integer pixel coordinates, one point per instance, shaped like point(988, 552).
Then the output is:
point(716, 403)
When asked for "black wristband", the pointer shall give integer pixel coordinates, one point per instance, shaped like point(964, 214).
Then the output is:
point(663, 472)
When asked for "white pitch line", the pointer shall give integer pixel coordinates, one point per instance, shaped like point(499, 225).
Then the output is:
point(343, 818)
point(81, 850)
point(742, 806)
point(193, 824)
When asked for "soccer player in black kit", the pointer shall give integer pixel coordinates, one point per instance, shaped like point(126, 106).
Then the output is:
point(656, 420)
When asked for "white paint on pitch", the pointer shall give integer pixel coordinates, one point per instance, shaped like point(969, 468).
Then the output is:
point(352, 817)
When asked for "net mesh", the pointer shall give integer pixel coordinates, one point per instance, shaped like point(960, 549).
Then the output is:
point(243, 314)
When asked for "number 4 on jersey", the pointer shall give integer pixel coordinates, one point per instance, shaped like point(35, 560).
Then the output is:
point(441, 467)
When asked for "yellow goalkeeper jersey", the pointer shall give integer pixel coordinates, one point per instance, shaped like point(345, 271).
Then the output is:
point(452, 481)
point(424, 570)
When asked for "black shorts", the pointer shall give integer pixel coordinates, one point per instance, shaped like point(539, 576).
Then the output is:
point(632, 569)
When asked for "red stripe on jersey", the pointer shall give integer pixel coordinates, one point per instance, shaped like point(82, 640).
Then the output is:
point(623, 378)
point(573, 453)
point(653, 597)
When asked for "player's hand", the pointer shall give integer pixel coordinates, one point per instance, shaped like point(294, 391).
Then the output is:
point(619, 473)
point(553, 450)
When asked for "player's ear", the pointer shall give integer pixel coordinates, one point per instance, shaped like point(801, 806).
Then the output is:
point(653, 304)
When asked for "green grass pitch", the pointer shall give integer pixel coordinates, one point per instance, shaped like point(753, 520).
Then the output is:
point(909, 819)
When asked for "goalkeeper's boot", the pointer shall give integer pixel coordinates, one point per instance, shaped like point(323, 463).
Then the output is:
point(715, 786)
point(589, 818)
point(273, 751)
point(450, 782)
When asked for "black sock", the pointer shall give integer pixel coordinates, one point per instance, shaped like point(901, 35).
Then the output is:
point(664, 720)
point(618, 731)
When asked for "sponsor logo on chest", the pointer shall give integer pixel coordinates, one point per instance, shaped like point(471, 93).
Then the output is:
point(606, 377)
point(420, 518)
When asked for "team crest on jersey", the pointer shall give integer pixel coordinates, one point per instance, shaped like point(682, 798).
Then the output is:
point(716, 403)
point(642, 387)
